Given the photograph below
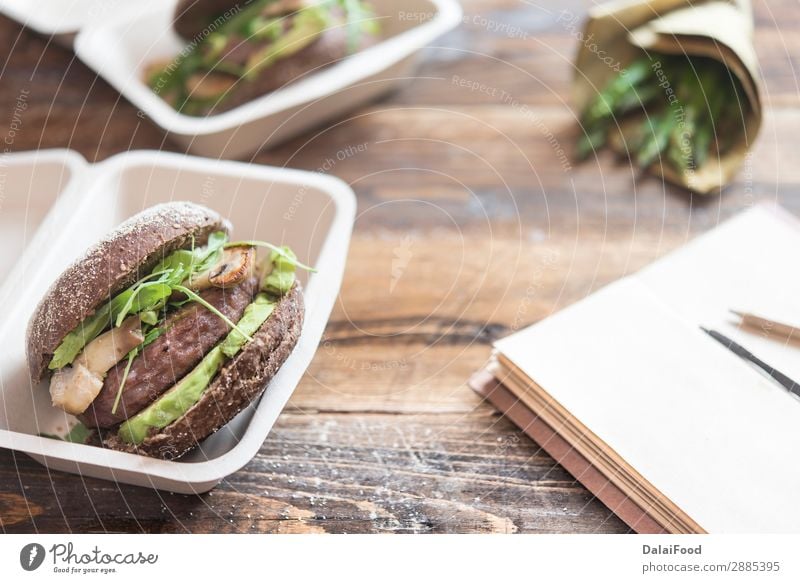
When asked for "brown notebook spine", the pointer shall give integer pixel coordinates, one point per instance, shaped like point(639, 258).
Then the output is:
point(557, 447)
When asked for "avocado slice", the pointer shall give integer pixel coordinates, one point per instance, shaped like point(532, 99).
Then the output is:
point(281, 279)
point(306, 28)
point(173, 404)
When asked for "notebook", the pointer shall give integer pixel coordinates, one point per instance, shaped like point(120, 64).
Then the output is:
point(677, 433)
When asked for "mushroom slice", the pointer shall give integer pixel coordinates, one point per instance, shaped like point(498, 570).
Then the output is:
point(73, 388)
point(235, 266)
point(209, 85)
point(108, 349)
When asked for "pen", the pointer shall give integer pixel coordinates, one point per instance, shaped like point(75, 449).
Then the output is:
point(767, 325)
point(741, 351)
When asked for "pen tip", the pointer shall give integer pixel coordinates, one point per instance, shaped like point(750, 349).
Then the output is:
point(737, 313)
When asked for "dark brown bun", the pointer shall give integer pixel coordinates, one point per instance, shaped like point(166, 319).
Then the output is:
point(196, 19)
point(240, 382)
point(110, 266)
point(193, 17)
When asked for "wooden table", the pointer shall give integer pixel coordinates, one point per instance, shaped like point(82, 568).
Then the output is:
point(470, 225)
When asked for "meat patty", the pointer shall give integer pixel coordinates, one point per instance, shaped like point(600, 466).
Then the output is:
point(190, 334)
point(329, 48)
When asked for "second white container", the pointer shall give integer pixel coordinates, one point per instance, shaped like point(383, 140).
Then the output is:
point(120, 46)
point(310, 212)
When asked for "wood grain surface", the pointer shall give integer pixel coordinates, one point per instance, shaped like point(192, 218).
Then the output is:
point(472, 222)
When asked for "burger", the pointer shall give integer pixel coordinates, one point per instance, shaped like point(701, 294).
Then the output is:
point(238, 51)
point(166, 329)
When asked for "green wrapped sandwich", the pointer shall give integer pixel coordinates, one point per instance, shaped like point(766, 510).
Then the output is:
point(673, 110)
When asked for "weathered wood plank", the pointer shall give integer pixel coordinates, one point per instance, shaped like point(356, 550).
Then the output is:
point(447, 472)
point(472, 222)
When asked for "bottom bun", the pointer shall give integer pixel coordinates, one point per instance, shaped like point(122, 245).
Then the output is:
point(240, 382)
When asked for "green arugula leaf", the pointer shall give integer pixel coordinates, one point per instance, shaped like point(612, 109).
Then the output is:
point(150, 317)
point(147, 297)
point(151, 336)
point(196, 298)
point(174, 265)
point(131, 355)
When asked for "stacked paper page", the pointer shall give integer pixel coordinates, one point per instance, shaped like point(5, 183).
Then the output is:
point(692, 429)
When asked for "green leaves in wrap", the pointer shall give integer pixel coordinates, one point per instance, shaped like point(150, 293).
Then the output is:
point(684, 109)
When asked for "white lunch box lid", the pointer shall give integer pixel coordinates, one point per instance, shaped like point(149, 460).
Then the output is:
point(311, 212)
